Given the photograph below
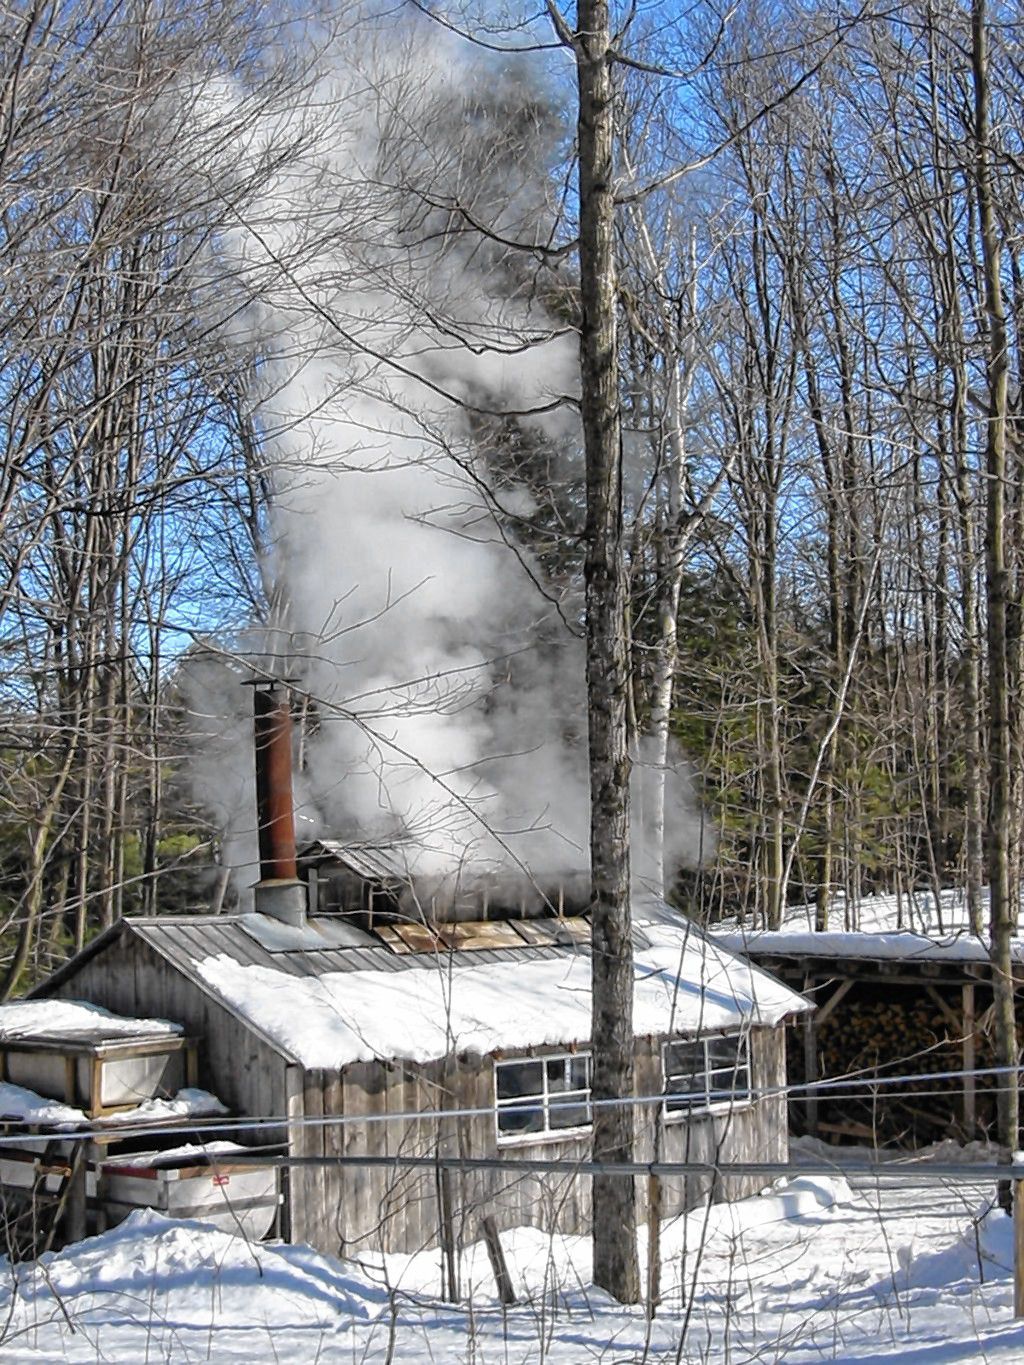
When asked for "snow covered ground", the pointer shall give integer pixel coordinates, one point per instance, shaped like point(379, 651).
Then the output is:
point(818, 1269)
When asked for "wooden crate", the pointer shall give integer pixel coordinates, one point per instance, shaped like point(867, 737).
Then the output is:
point(100, 1075)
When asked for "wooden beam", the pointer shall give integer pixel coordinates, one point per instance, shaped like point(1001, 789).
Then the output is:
point(71, 1081)
point(449, 1249)
point(654, 1209)
point(951, 1017)
point(811, 1075)
point(503, 1280)
point(76, 1227)
point(970, 1100)
point(834, 999)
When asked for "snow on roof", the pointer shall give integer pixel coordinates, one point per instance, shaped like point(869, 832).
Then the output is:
point(168, 1156)
point(25, 1019)
point(189, 1103)
point(901, 946)
point(683, 984)
point(911, 927)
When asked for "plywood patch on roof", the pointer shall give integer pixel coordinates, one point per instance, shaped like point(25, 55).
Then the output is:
point(477, 934)
point(412, 938)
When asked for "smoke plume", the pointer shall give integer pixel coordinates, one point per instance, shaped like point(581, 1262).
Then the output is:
point(446, 708)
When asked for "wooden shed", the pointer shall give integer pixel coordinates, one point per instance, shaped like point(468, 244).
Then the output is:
point(889, 1004)
point(468, 1039)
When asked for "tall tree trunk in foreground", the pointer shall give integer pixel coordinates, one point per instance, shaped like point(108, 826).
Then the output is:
point(1003, 903)
point(614, 1197)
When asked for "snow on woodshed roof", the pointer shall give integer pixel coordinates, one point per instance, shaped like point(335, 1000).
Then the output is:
point(911, 928)
point(900, 946)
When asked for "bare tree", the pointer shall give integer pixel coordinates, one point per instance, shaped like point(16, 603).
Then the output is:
point(1004, 898)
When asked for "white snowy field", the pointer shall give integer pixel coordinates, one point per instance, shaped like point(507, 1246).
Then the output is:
point(818, 1269)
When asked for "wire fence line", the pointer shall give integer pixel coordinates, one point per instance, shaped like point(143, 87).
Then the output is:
point(904, 1171)
point(841, 1086)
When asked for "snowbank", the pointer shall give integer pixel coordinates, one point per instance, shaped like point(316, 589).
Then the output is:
point(180, 1275)
point(813, 1270)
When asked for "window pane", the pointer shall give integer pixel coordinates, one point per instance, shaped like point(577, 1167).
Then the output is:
point(570, 1115)
point(723, 1051)
point(521, 1119)
point(579, 1073)
point(519, 1078)
point(683, 1087)
point(557, 1073)
point(729, 1087)
point(684, 1059)
point(690, 1088)
point(691, 1101)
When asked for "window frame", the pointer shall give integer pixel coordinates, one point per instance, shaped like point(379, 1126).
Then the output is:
point(706, 1100)
point(542, 1099)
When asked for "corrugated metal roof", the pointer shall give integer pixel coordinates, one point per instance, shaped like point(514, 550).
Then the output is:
point(692, 979)
point(188, 940)
point(375, 862)
point(314, 936)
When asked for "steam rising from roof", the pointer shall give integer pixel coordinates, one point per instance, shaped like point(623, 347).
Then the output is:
point(448, 707)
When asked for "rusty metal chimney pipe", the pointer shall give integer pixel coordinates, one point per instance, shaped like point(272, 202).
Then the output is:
point(273, 727)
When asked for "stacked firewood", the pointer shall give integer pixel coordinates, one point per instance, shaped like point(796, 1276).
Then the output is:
point(905, 1035)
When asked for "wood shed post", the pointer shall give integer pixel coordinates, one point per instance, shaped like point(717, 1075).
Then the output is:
point(1018, 1248)
point(970, 1101)
point(76, 1219)
point(810, 1065)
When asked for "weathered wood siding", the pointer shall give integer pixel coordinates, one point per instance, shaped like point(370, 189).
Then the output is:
point(350, 1210)
point(750, 1132)
point(129, 978)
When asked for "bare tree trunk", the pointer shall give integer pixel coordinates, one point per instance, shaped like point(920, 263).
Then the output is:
point(973, 756)
point(1002, 910)
point(616, 1266)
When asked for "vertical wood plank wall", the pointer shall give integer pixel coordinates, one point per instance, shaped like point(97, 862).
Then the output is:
point(349, 1211)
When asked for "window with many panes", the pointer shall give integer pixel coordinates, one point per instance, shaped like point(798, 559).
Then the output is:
point(542, 1095)
point(702, 1073)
